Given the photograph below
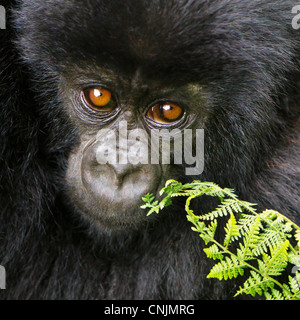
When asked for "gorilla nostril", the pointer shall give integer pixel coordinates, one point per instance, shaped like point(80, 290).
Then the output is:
point(119, 174)
point(122, 170)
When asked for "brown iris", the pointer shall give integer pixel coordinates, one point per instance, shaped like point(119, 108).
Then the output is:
point(165, 113)
point(100, 99)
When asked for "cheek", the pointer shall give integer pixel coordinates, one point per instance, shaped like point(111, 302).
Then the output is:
point(73, 172)
point(73, 178)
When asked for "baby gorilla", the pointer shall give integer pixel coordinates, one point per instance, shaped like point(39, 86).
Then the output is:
point(73, 73)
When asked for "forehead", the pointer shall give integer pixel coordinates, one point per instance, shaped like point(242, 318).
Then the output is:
point(181, 40)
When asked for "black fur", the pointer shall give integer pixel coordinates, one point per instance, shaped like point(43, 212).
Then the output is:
point(245, 52)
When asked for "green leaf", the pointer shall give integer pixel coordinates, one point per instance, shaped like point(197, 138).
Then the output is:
point(232, 231)
point(228, 206)
point(294, 259)
point(267, 239)
point(255, 284)
point(294, 283)
point(297, 237)
point(212, 229)
point(251, 239)
point(263, 245)
point(227, 269)
point(213, 252)
point(148, 198)
point(277, 262)
point(275, 295)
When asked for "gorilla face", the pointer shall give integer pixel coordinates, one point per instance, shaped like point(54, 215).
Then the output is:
point(156, 65)
point(124, 122)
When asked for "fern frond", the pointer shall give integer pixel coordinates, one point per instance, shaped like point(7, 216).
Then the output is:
point(227, 269)
point(228, 206)
point(232, 231)
point(263, 239)
point(294, 259)
point(248, 206)
point(251, 239)
point(267, 239)
point(180, 194)
point(277, 261)
point(287, 229)
point(216, 191)
point(209, 233)
point(274, 295)
point(245, 221)
point(295, 286)
point(277, 222)
point(297, 237)
point(255, 284)
point(213, 252)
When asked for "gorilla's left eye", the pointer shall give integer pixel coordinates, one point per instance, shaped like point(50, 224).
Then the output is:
point(100, 99)
point(165, 113)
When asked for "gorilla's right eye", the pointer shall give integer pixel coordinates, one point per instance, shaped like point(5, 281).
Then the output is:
point(100, 99)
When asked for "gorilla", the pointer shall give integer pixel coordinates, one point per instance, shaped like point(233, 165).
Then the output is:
point(71, 226)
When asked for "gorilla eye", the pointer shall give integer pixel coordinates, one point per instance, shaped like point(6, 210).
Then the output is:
point(165, 113)
point(100, 99)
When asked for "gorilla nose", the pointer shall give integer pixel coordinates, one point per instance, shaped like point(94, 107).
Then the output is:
point(123, 160)
point(120, 184)
point(123, 170)
point(113, 182)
